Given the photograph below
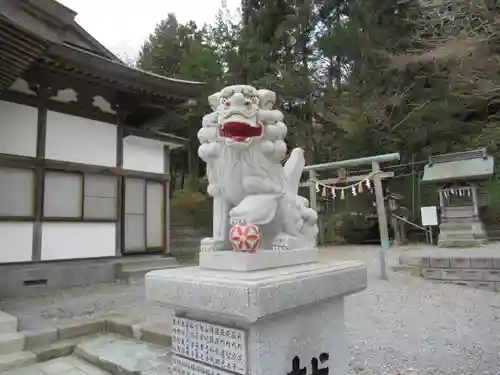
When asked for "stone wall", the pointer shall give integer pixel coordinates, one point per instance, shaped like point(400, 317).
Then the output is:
point(472, 270)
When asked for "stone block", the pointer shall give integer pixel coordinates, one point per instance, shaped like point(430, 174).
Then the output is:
point(40, 337)
point(417, 261)
point(17, 359)
point(491, 275)
point(497, 287)
point(463, 283)
point(452, 274)
point(416, 271)
point(429, 273)
point(57, 349)
point(11, 342)
point(122, 356)
point(479, 262)
point(262, 259)
point(80, 328)
point(120, 325)
point(8, 323)
point(57, 367)
point(250, 295)
point(458, 262)
point(484, 285)
point(472, 275)
point(83, 367)
point(496, 263)
point(438, 262)
point(477, 285)
point(158, 334)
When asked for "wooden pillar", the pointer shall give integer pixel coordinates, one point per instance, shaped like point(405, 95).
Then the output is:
point(120, 185)
point(382, 218)
point(397, 230)
point(313, 203)
point(166, 200)
point(43, 95)
point(441, 198)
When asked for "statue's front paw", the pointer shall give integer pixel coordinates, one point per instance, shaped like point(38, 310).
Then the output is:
point(211, 244)
point(280, 242)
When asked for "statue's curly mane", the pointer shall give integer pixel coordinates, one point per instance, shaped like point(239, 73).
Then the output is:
point(249, 167)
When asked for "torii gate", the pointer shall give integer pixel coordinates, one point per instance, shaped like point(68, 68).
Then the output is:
point(377, 175)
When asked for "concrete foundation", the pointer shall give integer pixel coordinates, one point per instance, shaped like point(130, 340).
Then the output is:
point(30, 279)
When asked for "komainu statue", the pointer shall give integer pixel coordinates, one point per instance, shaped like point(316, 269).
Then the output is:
point(242, 142)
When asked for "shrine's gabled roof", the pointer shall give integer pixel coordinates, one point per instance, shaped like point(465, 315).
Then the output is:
point(72, 58)
point(32, 31)
point(460, 166)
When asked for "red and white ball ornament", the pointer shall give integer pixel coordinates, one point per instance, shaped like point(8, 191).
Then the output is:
point(245, 237)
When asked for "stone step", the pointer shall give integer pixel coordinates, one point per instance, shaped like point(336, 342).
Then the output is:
point(68, 365)
point(17, 359)
point(186, 242)
point(156, 262)
point(136, 272)
point(8, 323)
point(461, 243)
point(122, 356)
point(452, 235)
point(136, 268)
point(484, 285)
point(401, 268)
point(11, 342)
point(457, 235)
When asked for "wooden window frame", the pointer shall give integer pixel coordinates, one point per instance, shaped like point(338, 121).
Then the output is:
point(81, 217)
point(160, 248)
point(29, 218)
point(147, 249)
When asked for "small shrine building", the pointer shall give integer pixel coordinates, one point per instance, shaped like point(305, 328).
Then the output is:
point(460, 197)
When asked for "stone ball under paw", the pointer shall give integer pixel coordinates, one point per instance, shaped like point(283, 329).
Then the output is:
point(245, 237)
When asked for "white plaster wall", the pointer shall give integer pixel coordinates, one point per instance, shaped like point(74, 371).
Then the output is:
point(16, 242)
point(18, 129)
point(141, 154)
point(77, 240)
point(80, 140)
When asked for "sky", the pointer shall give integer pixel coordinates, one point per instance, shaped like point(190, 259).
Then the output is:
point(122, 26)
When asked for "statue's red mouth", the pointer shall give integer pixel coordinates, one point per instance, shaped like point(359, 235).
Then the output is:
point(240, 131)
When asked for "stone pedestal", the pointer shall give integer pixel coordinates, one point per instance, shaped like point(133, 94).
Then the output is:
point(274, 321)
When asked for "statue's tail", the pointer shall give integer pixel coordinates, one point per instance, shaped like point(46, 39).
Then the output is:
point(293, 168)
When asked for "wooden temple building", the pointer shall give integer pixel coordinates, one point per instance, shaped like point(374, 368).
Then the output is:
point(460, 197)
point(84, 177)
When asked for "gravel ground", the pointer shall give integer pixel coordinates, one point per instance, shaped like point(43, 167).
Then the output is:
point(405, 326)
